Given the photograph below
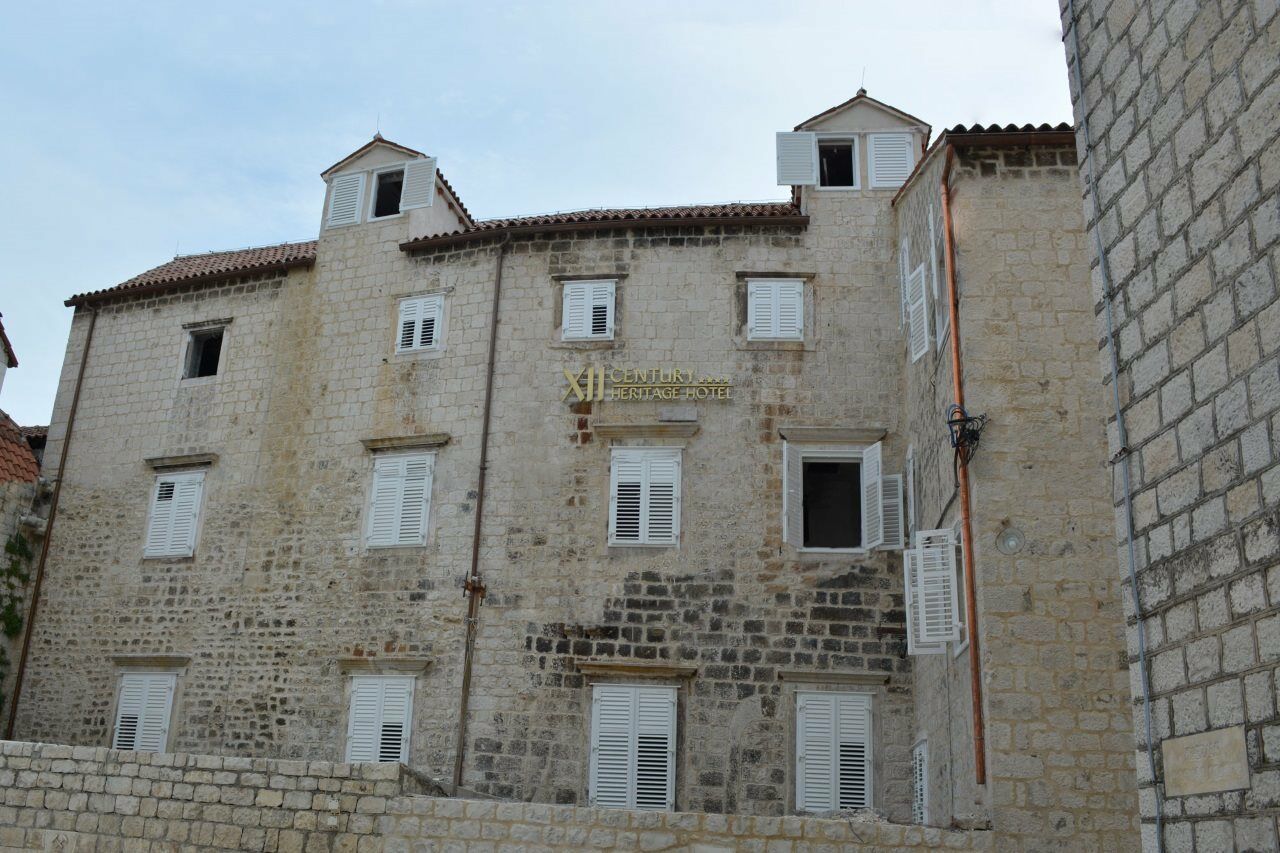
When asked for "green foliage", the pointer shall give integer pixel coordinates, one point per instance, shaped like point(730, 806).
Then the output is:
point(15, 572)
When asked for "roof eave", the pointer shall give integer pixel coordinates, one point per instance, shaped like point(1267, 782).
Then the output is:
point(377, 140)
point(447, 240)
point(161, 286)
point(1002, 139)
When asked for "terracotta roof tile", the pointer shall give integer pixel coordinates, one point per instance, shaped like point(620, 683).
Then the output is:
point(9, 355)
point(17, 461)
point(186, 268)
point(1062, 127)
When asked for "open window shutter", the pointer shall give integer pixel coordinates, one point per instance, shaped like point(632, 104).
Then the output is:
point(363, 722)
point(415, 501)
point(626, 474)
point(419, 188)
point(655, 748)
point(910, 597)
point(612, 734)
point(160, 522)
point(853, 750)
point(396, 716)
point(797, 159)
point(936, 581)
point(345, 196)
point(430, 317)
point(601, 315)
point(790, 311)
point(815, 753)
point(872, 498)
point(576, 309)
point(891, 506)
point(890, 159)
point(761, 310)
point(920, 783)
point(384, 503)
point(662, 499)
point(793, 476)
point(918, 313)
point(186, 514)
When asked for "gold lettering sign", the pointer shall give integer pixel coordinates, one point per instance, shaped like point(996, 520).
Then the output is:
point(593, 383)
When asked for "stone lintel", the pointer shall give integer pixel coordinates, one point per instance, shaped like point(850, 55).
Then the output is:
point(189, 460)
point(804, 675)
point(604, 276)
point(741, 274)
point(647, 430)
point(859, 435)
point(636, 668)
point(383, 666)
point(208, 324)
point(144, 661)
point(406, 442)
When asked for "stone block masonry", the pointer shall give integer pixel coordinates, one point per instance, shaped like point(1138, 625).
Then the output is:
point(90, 798)
point(1182, 104)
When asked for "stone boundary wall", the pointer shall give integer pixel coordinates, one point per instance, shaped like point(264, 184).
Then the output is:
point(84, 798)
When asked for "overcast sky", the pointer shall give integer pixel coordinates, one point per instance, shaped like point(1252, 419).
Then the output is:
point(131, 131)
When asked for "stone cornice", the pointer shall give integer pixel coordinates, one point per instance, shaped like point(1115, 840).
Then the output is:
point(862, 435)
point(643, 669)
point(406, 442)
point(383, 666)
point(189, 460)
point(647, 430)
point(809, 677)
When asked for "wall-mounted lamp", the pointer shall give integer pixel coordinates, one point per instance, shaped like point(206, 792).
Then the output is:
point(1010, 540)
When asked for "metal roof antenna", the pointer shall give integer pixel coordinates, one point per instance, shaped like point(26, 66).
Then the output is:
point(862, 84)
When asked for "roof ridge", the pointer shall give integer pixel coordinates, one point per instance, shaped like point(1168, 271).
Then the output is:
point(244, 249)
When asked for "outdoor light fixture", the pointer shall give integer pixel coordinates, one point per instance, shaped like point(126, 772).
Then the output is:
point(1010, 540)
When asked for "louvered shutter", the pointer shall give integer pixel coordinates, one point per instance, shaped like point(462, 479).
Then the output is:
point(419, 188)
point(380, 718)
point(761, 310)
point(790, 311)
point(775, 310)
point(917, 313)
point(890, 159)
point(407, 330)
point(644, 497)
point(904, 266)
point(602, 296)
point(797, 159)
point(175, 515)
point(612, 732)
point(936, 582)
point(793, 500)
point(662, 498)
point(872, 498)
point(920, 783)
point(574, 323)
point(891, 507)
point(910, 597)
point(400, 500)
point(910, 484)
point(626, 488)
point(142, 713)
point(161, 520)
point(414, 501)
point(815, 754)
point(853, 750)
point(420, 323)
point(587, 310)
point(346, 193)
point(633, 736)
point(655, 748)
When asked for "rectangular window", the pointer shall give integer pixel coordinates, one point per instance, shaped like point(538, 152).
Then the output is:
point(421, 324)
point(833, 751)
point(400, 500)
point(204, 350)
point(833, 497)
point(175, 513)
point(587, 310)
point(838, 163)
point(633, 747)
point(644, 496)
point(920, 782)
point(386, 193)
point(775, 310)
point(380, 718)
point(142, 711)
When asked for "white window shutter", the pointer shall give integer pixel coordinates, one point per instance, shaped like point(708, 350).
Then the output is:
point(142, 713)
point(904, 267)
point(626, 497)
point(793, 495)
point(175, 515)
point(415, 501)
point(633, 736)
point(419, 189)
point(662, 499)
point(815, 752)
point(761, 309)
point(910, 598)
point(917, 313)
point(363, 720)
point(890, 159)
point(936, 581)
point(380, 718)
point(400, 500)
point(644, 496)
point(161, 520)
point(602, 297)
point(397, 715)
point(346, 193)
point(891, 507)
point(872, 497)
point(420, 325)
point(797, 159)
point(920, 783)
point(574, 323)
point(612, 732)
point(587, 310)
point(407, 328)
point(790, 312)
point(775, 310)
point(384, 503)
point(853, 750)
point(910, 477)
point(655, 748)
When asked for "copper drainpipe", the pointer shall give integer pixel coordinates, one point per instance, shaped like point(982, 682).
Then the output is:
point(48, 530)
point(473, 587)
point(966, 518)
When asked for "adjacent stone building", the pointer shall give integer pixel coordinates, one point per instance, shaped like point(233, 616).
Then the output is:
point(613, 507)
point(1178, 117)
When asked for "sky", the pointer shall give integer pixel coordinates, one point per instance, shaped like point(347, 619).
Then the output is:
point(136, 131)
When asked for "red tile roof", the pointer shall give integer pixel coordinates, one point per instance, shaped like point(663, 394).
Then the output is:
point(17, 461)
point(190, 268)
point(10, 358)
point(608, 218)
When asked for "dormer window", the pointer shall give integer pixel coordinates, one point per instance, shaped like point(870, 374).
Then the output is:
point(386, 193)
point(837, 163)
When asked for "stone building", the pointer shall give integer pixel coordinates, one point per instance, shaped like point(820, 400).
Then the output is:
point(616, 507)
point(1178, 118)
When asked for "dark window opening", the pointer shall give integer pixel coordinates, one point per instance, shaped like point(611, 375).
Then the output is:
point(599, 319)
point(832, 503)
point(203, 353)
point(835, 160)
point(386, 196)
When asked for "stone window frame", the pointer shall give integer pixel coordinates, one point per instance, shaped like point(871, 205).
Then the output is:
point(190, 330)
point(637, 676)
point(414, 667)
point(441, 345)
point(148, 664)
point(556, 341)
point(872, 686)
point(740, 311)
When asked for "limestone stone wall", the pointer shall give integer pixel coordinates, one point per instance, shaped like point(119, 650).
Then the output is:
point(1049, 623)
point(16, 500)
point(1181, 104)
point(85, 798)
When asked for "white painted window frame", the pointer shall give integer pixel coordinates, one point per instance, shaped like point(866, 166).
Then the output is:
point(844, 452)
point(372, 184)
point(835, 136)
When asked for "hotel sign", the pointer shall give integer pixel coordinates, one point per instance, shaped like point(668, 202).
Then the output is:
point(658, 383)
